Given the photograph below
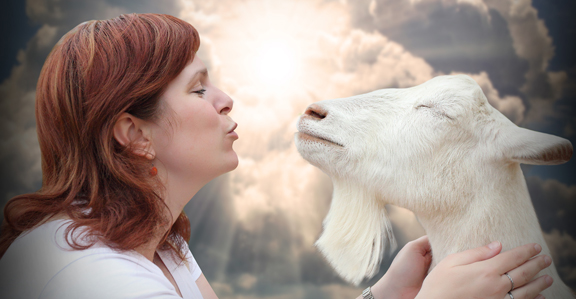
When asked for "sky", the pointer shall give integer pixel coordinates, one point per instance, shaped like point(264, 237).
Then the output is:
point(253, 229)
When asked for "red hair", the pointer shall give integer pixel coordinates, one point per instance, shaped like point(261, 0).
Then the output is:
point(96, 72)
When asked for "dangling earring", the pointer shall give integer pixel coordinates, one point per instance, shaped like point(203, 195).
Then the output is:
point(153, 170)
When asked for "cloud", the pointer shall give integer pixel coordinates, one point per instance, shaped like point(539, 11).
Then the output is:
point(329, 291)
point(460, 36)
point(369, 61)
point(563, 250)
point(555, 204)
point(504, 39)
point(511, 106)
point(69, 13)
point(533, 43)
point(338, 291)
point(20, 153)
point(281, 183)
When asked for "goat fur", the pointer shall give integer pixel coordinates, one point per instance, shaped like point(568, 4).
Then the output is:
point(438, 149)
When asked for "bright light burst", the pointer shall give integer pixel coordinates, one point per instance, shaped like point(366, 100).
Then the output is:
point(276, 63)
point(263, 54)
point(265, 46)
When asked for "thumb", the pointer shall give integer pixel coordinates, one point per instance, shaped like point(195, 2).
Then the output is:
point(422, 245)
point(476, 255)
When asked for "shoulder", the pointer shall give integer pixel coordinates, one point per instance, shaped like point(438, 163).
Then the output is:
point(109, 275)
point(40, 264)
point(33, 258)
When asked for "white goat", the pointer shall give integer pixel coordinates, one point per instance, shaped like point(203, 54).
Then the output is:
point(438, 149)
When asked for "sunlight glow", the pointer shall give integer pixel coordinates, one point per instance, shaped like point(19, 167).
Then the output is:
point(272, 58)
point(264, 49)
point(276, 63)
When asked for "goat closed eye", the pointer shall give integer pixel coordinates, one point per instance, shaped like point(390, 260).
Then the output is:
point(435, 109)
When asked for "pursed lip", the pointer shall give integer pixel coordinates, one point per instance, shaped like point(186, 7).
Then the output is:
point(233, 128)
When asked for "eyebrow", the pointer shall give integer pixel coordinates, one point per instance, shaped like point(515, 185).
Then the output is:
point(202, 72)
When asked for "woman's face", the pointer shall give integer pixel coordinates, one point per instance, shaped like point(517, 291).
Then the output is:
point(193, 139)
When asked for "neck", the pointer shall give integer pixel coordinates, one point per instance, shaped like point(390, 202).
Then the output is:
point(177, 193)
point(501, 211)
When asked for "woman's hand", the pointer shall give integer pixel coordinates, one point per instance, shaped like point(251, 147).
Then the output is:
point(404, 278)
point(479, 273)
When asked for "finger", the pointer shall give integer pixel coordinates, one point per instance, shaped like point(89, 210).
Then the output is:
point(525, 273)
point(532, 289)
point(513, 258)
point(475, 255)
point(421, 245)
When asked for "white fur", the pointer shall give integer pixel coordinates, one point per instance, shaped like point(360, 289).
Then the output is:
point(438, 149)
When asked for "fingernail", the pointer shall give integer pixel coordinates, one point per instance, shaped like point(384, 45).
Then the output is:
point(539, 297)
point(549, 280)
point(537, 247)
point(493, 245)
point(547, 260)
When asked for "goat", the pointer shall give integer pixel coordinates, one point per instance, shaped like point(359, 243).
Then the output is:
point(438, 149)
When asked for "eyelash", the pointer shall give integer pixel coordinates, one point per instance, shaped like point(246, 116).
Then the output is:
point(200, 92)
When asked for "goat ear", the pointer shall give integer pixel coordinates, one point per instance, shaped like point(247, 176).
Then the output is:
point(531, 147)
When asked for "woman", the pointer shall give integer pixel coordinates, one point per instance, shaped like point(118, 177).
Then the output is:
point(130, 128)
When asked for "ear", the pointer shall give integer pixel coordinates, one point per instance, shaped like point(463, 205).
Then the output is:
point(530, 147)
point(133, 132)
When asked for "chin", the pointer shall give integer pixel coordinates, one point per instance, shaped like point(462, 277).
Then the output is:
point(232, 162)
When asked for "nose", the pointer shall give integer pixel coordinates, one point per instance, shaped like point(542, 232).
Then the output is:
point(316, 112)
point(223, 103)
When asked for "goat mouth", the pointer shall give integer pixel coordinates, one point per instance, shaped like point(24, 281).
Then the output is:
point(304, 136)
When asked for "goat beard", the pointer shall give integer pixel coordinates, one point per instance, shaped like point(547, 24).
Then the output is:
point(356, 233)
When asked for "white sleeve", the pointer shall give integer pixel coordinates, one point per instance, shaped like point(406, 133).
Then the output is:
point(108, 276)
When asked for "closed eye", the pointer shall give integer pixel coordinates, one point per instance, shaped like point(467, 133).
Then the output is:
point(435, 110)
point(200, 92)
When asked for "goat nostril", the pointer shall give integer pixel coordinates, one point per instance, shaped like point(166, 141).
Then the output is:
point(316, 111)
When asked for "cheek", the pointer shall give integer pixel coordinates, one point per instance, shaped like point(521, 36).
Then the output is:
point(200, 124)
point(188, 128)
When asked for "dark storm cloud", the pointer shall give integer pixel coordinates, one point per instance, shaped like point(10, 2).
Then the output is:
point(20, 154)
point(563, 249)
point(13, 16)
point(555, 205)
point(451, 37)
point(72, 12)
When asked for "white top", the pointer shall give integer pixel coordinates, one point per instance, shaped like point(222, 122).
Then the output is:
point(40, 264)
